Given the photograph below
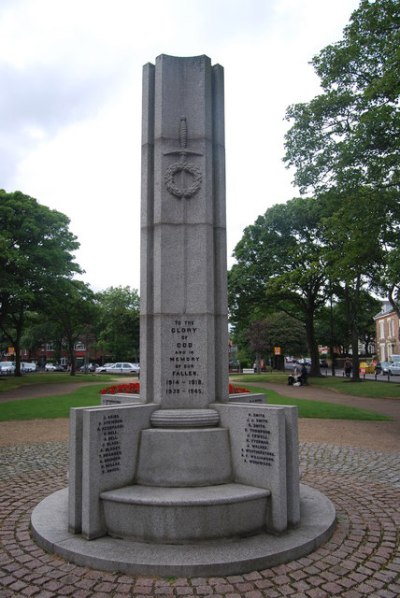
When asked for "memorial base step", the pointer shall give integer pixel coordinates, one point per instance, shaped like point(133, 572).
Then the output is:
point(176, 515)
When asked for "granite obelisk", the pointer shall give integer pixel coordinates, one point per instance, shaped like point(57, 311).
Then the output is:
point(184, 330)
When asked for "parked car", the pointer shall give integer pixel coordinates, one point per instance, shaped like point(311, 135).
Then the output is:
point(122, 367)
point(394, 368)
point(7, 367)
point(291, 363)
point(53, 367)
point(102, 368)
point(89, 367)
point(26, 366)
point(382, 367)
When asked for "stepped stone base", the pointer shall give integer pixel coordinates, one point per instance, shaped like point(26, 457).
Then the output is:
point(218, 557)
point(205, 460)
point(178, 515)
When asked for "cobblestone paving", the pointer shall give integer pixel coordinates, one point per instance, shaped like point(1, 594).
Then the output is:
point(361, 559)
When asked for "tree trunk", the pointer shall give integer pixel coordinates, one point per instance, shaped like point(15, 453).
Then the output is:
point(71, 354)
point(355, 358)
point(312, 345)
point(18, 323)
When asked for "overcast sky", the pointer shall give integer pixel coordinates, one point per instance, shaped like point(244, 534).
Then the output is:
point(70, 105)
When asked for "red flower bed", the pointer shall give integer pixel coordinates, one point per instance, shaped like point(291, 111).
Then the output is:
point(131, 387)
point(235, 390)
point(134, 388)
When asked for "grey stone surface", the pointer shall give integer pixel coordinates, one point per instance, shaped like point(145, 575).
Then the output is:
point(184, 332)
point(110, 441)
point(120, 399)
point(185, 418)
point(177, 515)
point(258, 444)
point(202, 558)
point(248, 397)
point(292, 465)
point(184, 457)
point(75, 471)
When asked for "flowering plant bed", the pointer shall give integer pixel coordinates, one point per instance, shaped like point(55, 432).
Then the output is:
point(128, 388)
point(134, 388)
point(237, 390)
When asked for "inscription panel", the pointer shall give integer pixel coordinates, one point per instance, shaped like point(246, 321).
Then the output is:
point(258, 441)
point(110, 441)
point(256, 449)
point(110, 428)
point(184, 371)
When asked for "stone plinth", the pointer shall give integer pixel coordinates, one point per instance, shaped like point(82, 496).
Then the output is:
point(179, 515)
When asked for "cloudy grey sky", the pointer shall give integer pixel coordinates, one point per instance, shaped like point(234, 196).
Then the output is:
point(70, 105)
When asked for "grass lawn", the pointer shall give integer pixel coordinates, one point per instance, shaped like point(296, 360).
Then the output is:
point(11, 382)
point(364, 388)
point(320, 409)
point(89, 396)
point(51, 407)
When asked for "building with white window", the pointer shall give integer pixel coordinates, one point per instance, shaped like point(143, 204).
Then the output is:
point(387, 332)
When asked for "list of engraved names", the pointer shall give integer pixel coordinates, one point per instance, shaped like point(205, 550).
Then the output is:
point(256, 449)
point(110, 443)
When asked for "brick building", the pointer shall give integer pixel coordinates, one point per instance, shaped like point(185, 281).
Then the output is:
point(387, 332)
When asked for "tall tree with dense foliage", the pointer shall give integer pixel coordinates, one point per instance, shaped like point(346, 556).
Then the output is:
point(257, 339)
point(349, 135)
point(118, 323)
point(281, 258)
point(275, 330)
point(36, 251)
point(71, 307)
point(357, 234)
point(345, 144)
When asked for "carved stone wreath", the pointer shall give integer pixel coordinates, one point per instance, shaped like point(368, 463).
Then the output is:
point(189, 168)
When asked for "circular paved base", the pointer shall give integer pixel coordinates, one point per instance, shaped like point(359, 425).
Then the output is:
point(50, 530)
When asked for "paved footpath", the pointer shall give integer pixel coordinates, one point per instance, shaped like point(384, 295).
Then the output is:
point(361, 559)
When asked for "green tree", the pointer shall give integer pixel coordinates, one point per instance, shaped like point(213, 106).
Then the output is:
point(39, 330)
point(276, 330)
point(332, 330)
point(344, 145)
point(118, 323)
point(370, 306)
point(257, 338)
point(348, 136)
point(387, 279)
point(71, 306)
point(288, 333)
point(356, 238)
point(36, 251)
point(282, 263)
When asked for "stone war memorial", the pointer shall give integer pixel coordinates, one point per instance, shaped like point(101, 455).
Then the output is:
point(183, 481)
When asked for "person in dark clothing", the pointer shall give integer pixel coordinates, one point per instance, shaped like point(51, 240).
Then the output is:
point(304, 374)
point(347, 368)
